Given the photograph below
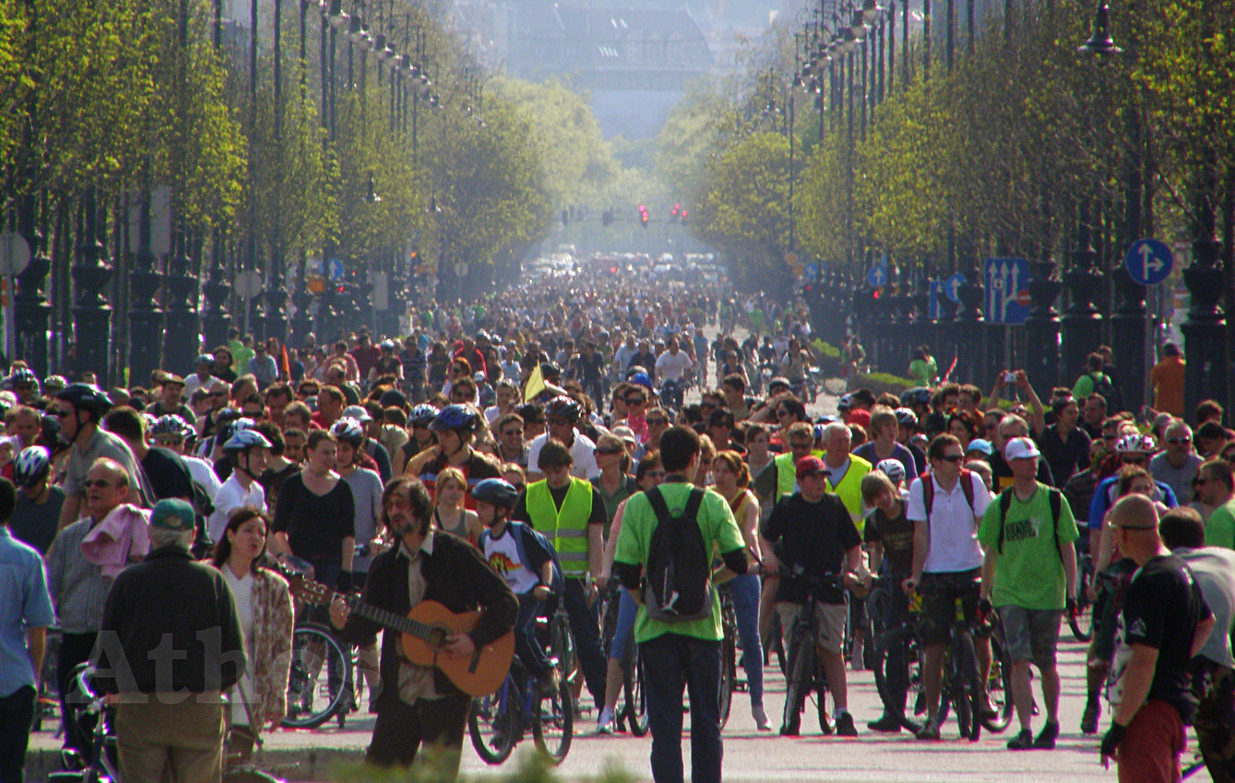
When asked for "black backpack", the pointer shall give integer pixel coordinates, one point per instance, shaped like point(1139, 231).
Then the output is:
point(1102, 385)
point(1056, 500)
point(679, 567)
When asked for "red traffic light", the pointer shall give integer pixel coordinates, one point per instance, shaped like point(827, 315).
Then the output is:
point(878, 292)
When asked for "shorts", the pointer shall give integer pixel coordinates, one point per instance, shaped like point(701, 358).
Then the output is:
point(831, 619)
point(1149, 752)
point(1031, 634)
point(938, 613)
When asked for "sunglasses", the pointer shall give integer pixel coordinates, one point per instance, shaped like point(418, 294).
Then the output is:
point(657, 422)
point(634, 400)
point(1132, 461)
point(60, 414)
point(953, 458)
point(707, 405)
point(607, 451)
point(100, 483)
point(218, 394)
point(1179, 440)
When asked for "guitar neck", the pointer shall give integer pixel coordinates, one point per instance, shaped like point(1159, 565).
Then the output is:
point(389, 619)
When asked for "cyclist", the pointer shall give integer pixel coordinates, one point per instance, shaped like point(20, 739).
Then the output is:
point(819, 541)
point(248, 449)
point(38, 500)
point(888, 536)
point(525, 560)
point(946, 506)
point(562, 414)
point(455, 426)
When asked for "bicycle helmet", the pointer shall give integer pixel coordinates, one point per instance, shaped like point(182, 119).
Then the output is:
point(778, 381)
point(563, 407)
point(422, 415)
point(387, 345)
point(245, 440)
point(550, 369)
point(641, 379)
point(906, 417)
point(31, 466)
point(499, 492)
point(23, 375)
point(919, 395)
point(843, 404)
point(348, 430)
point(54, 383)
point(459, 418)
point(892, 468)
point(86, 397)
point(49, 433)
point(1135, 444)
point(170, 424)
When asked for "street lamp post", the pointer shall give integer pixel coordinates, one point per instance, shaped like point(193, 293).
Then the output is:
point(1082, 322)
point(91, 274)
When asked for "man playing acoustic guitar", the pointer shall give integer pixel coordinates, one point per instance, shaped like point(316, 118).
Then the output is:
point(420, 704)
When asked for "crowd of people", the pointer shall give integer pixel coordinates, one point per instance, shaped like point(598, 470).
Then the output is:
point(517, 451)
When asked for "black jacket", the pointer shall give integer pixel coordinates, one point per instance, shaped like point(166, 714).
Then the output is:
point(458, 577)
point(169, 624)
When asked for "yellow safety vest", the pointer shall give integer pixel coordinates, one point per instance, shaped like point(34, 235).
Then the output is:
point(565, 527)
point(786, 475)
point(850, 489)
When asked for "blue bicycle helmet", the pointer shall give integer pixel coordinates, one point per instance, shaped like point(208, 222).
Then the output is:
point(919, 395)
point(456, 418)
point(642, 379)
point(499, 492)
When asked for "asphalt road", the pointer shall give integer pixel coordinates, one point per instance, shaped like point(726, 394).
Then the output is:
point(755, 756)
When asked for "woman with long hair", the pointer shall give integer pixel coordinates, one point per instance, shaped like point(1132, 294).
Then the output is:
point(732, 477)
point(264, 607)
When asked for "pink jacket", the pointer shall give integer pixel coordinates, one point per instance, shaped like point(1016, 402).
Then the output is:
point(122, 537)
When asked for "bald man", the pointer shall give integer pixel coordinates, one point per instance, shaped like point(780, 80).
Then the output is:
point(1166, 624)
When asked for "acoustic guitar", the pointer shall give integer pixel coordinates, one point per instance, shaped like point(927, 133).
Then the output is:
point(424, 631)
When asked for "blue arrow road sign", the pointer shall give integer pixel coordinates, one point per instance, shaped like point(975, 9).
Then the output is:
point(952, 287)
point(934, 291)
point(1149, 261)
point(878, 276)
point(334, 269)
point(811, 272)
point(1005, 284)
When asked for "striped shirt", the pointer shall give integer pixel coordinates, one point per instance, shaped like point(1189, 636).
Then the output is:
point(77, 587)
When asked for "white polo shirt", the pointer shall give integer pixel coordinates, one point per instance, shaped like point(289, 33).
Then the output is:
point(953, 528)
point(582, 451)
point(230, 496)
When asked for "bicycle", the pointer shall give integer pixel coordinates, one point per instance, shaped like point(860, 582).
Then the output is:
point(728, 653)
point(47, 701)
point(632, 710)
point(805, 672)
point(1081, 619)
point(320, 680)
point(102, 766)
point(900, 662)
point(497, 722)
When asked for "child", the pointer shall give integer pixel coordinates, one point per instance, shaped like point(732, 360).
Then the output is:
point(448, 511)
point(525, 558)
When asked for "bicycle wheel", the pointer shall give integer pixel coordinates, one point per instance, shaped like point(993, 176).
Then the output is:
point(553, 722)
point(728, 672)
point(797, 684)
point(821, 700)
point(897, 660)
point(636, 699)
point(966, 690)
point(491, 723)
point(562, 645)
point(249, 774)
point(774, 645)
point(999, 687)
point(319, 680)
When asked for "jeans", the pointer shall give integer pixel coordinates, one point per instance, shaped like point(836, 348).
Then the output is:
point(670, 662)
point(745, 592)
point(527, 643)
point(16, 713)
point(628, 610)
point(585, 627)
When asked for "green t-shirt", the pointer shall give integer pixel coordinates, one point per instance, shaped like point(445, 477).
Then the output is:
point(1085, 384)
point(924, 372)
point(1030, 572)
point(1220, 527)
point(719, 530)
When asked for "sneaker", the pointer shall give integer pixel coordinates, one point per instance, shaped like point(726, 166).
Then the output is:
point(1022, 741)
point(761, 718)
point(844, 725)
point(605, 724)
point(987, 709)
point(1046, 738)
point(1089, 720)
point(929, 731)
point(887, 723)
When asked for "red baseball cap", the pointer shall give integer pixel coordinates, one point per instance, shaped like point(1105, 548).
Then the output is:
point(810, 466)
